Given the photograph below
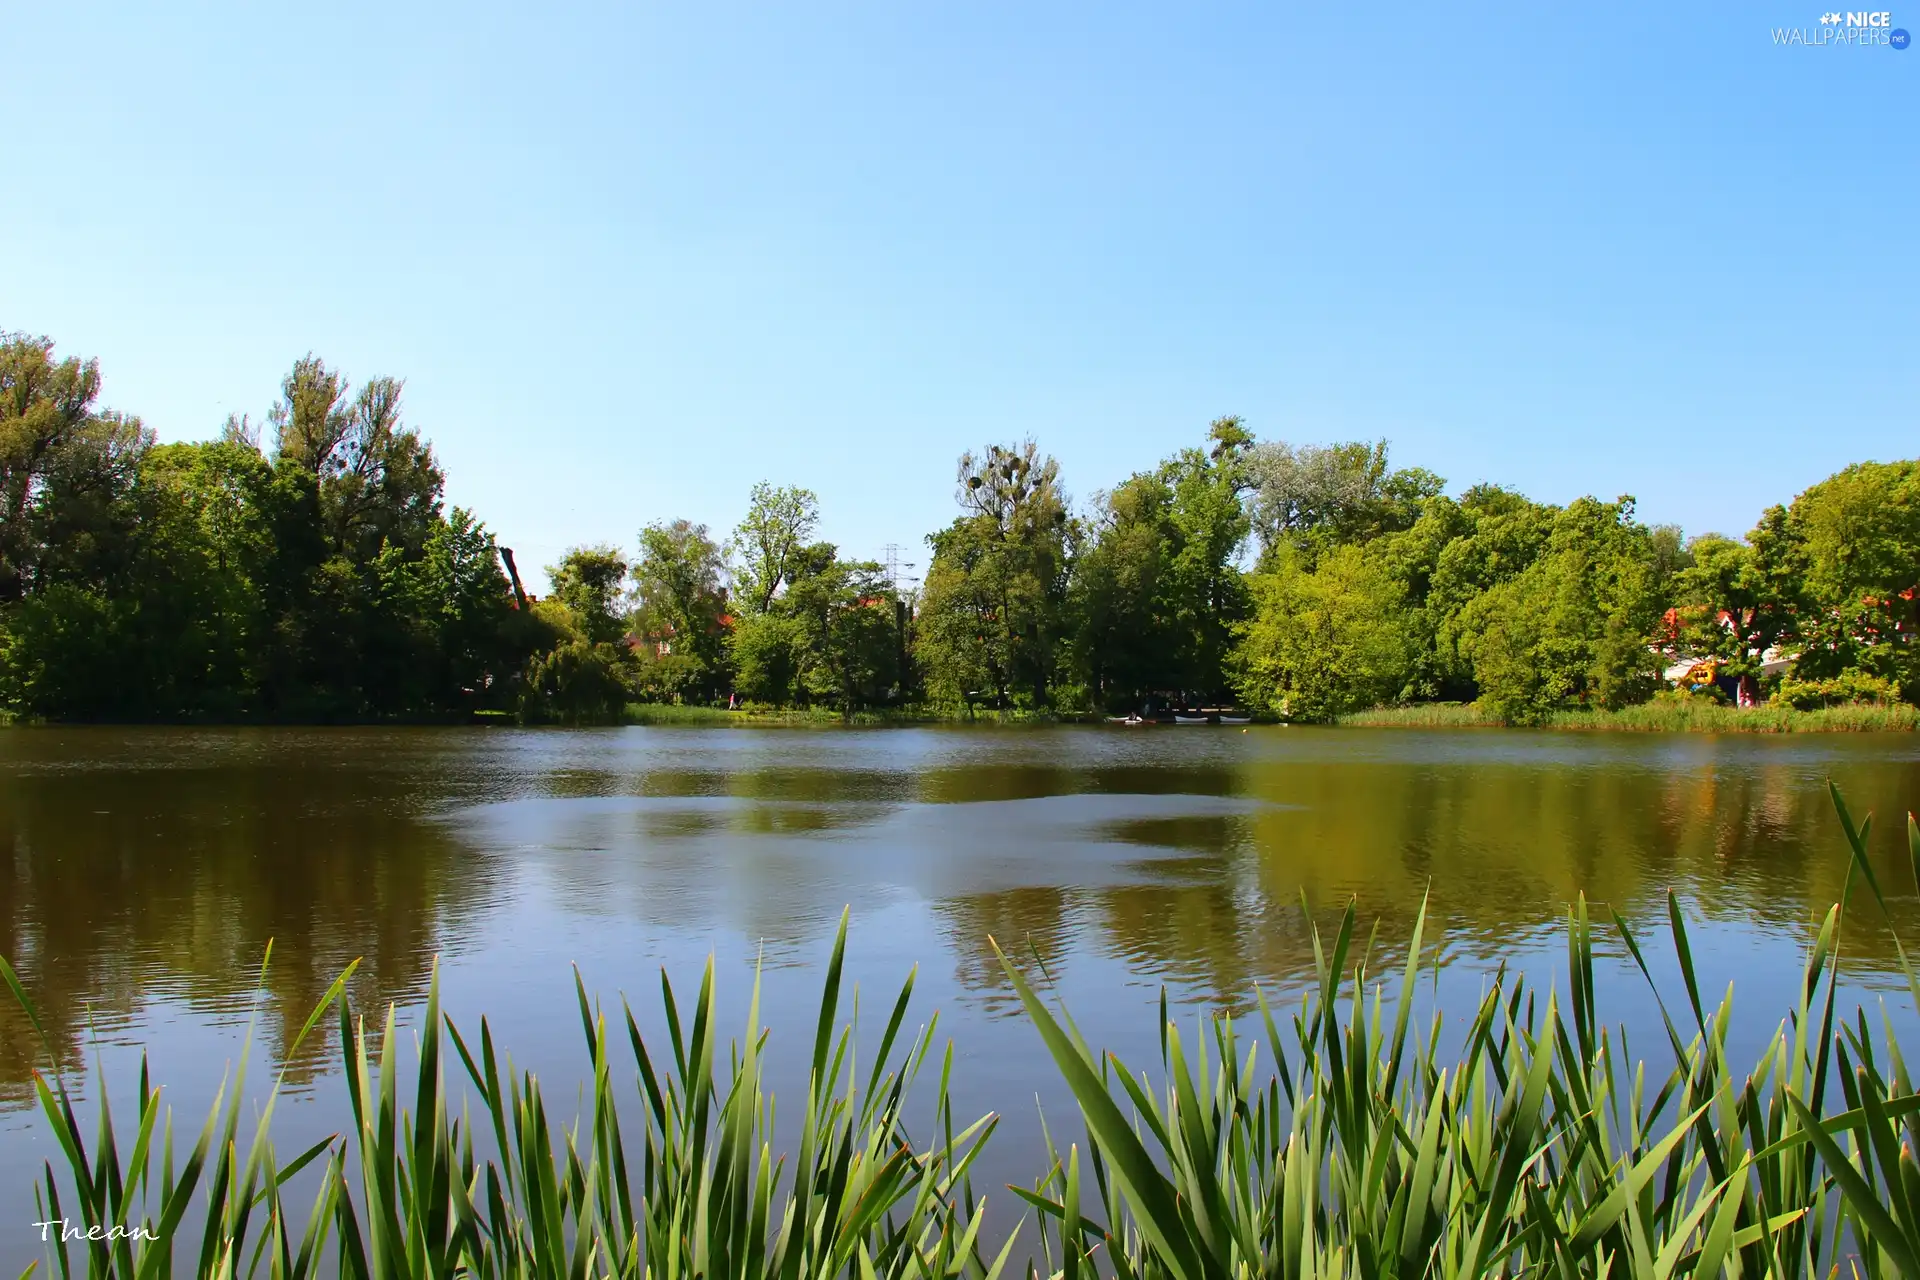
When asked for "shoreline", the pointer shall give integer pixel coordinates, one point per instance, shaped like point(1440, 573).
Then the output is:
point(1655, 717)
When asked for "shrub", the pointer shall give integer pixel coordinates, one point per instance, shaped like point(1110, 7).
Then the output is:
point(1848, 686)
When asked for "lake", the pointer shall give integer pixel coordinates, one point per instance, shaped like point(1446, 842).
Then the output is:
point(150, 868)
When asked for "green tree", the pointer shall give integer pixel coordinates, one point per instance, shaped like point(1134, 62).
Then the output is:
point(1573, 626)
point(195, 624)
point(1123, 634)
point(682, 612)
point(65, 466)
point(1857, 534)
point(1323, 641)
point(1736, 601)
point(778, 523)
point(590, 582)
point(1451, 558)
point(1309, 497)
point(1155, 592)
point(847, 637)
point(993, 613)
point(768, 651)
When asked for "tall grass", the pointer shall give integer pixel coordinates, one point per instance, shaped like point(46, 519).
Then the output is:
point(657, 713)
point(1423, 715)
point(1542, 1147)
point(1698, 716)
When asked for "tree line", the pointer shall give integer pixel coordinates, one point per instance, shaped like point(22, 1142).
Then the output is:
point(306, 567)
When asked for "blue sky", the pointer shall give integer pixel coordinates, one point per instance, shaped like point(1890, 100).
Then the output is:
point(632, 259)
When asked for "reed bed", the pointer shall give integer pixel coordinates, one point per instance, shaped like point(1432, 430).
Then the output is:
point(1698, 716)
point(1423, 715)
point(1541, 1148)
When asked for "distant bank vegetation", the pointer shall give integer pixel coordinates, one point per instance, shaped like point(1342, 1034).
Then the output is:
point(305, 567)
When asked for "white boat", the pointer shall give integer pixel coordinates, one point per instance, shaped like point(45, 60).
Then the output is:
point(1179, 719)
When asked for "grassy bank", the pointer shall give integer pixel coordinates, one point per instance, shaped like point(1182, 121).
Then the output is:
point(1540, 1150)
point(1661, 717)
point(654, 713)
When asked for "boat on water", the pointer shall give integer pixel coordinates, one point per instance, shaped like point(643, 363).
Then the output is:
point(1179, 717)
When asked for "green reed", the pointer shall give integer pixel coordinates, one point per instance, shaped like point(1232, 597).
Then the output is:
point(1541, 1147)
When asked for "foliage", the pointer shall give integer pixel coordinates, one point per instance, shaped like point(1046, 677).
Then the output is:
point(993, 615)
point(1858, 534)
point(590, 583)
point(681, 618)
point(1664, 714)
point(577, 682)
point(1306, 496)
point(848, 653)
point(323, 577)
point(1571, 626)
point(1738, 601)
point(768, 542)
point(1847, 687)
point(818, 630)
point(1154, 593)
point(1325, 641)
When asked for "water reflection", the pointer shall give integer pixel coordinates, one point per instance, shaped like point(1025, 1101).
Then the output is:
point(150, 868)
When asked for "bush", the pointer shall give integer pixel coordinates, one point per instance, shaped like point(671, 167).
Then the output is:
point(577, 683)
point(1848, 686)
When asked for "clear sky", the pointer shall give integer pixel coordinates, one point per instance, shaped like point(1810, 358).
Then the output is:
point(632, 259)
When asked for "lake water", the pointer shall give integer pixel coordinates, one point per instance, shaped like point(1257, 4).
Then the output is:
point(150, 868)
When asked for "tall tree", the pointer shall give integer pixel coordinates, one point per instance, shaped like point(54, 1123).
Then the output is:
point(1311, 496)
point(683, 608)
point(992, 615)
point(1155, 591)
point(778, 524)
point(590, 582)
point(64, 463)
point(1572, 627)
point(1858, 536)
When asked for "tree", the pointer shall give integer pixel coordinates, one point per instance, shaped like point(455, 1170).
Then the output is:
point(1451, 558)
point(768, 651)
point(777, 525)
point(590, 582)
point(1736, 601)
point(576, 683)
point(195, 625)
point(993, 616)
point(1857, 534)
point(64, 466)
point(1207, 592)
point(379, 482)
point(1122, 629)
point(1572, 626)
point(1154, 592)
point(846, 618)
point(1325, 641)
point(1309, 496)
point(682, 611)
